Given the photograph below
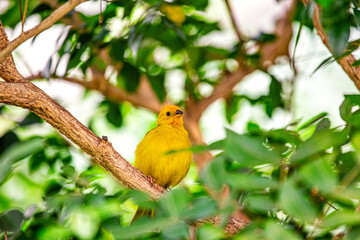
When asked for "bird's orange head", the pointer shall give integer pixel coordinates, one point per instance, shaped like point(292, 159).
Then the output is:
point(170, 115)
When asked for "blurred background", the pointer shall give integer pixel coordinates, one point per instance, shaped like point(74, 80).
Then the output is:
point(307, 88)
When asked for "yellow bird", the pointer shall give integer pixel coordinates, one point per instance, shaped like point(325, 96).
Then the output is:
point(152, 155)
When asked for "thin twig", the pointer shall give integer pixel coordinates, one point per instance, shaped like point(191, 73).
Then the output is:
point(48, 22)
point(24, 14)
point(100, 15)
point(21, 15)
point(234, 22)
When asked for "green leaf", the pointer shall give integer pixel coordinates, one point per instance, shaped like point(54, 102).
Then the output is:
point(324, 124)
point(324, 63)
point(175, 202)
point(85, 222)
point(357, 16)
point(202, 207)
point(11, 220)
point(199, 4)
point(354, 118)
point(114, 115)
point(158, 85)
point(320, 174)
point(213, 175)
point(7, 140)
point(69, 171)
point(277, 231)
point(52, 188)
point(36, 160)
point(345, 109)
point(231, 107)
point(249, 182)
point(249, 150)
point(259, 203)
point(338, 34)
point(318, 143)
point(54, 232)
point(141, 228)
point(345, 162)
point(292, 200)
point(16, 152)
point(344, 217)
point(273, 99)
point(134, 41)
point(131, 77)
point(31, 118)
point(209, 232)
point(178, 230)
point(312, 121)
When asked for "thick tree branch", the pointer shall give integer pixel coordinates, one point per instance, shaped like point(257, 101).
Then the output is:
point(28, 96)
point(48, 22)
point(18, 91)
point(345, 62)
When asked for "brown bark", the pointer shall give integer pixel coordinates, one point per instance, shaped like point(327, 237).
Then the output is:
point(101, 150)
point(18, 91)
point(345, 62)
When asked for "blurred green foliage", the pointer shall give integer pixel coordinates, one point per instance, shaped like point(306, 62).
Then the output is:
point(294, 183)
point(297, 182)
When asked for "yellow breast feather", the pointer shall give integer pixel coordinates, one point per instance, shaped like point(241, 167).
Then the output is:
point(152, 155)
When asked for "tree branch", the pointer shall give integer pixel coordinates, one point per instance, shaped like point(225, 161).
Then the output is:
point(346, 61)
point(18, 91)
point(233, 21)
point(269, 52)
point(28, 96)
point(48, 22)
point(141, 98)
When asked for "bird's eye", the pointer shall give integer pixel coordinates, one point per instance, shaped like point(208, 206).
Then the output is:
point(168, 114)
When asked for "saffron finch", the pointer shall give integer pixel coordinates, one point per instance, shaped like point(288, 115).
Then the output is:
point(152, 155)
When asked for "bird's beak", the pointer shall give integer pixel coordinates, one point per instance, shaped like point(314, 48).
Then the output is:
point(179, 112)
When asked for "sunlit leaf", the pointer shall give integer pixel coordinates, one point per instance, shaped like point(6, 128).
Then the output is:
point(16, 152)
point(248, 150)
point(340, 218)
point(209, 232)
point(320, 174)
point(312, 121)
point(245, 182)
point(318, 143)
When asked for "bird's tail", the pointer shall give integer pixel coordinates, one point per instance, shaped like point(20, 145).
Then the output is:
point(141, 212)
